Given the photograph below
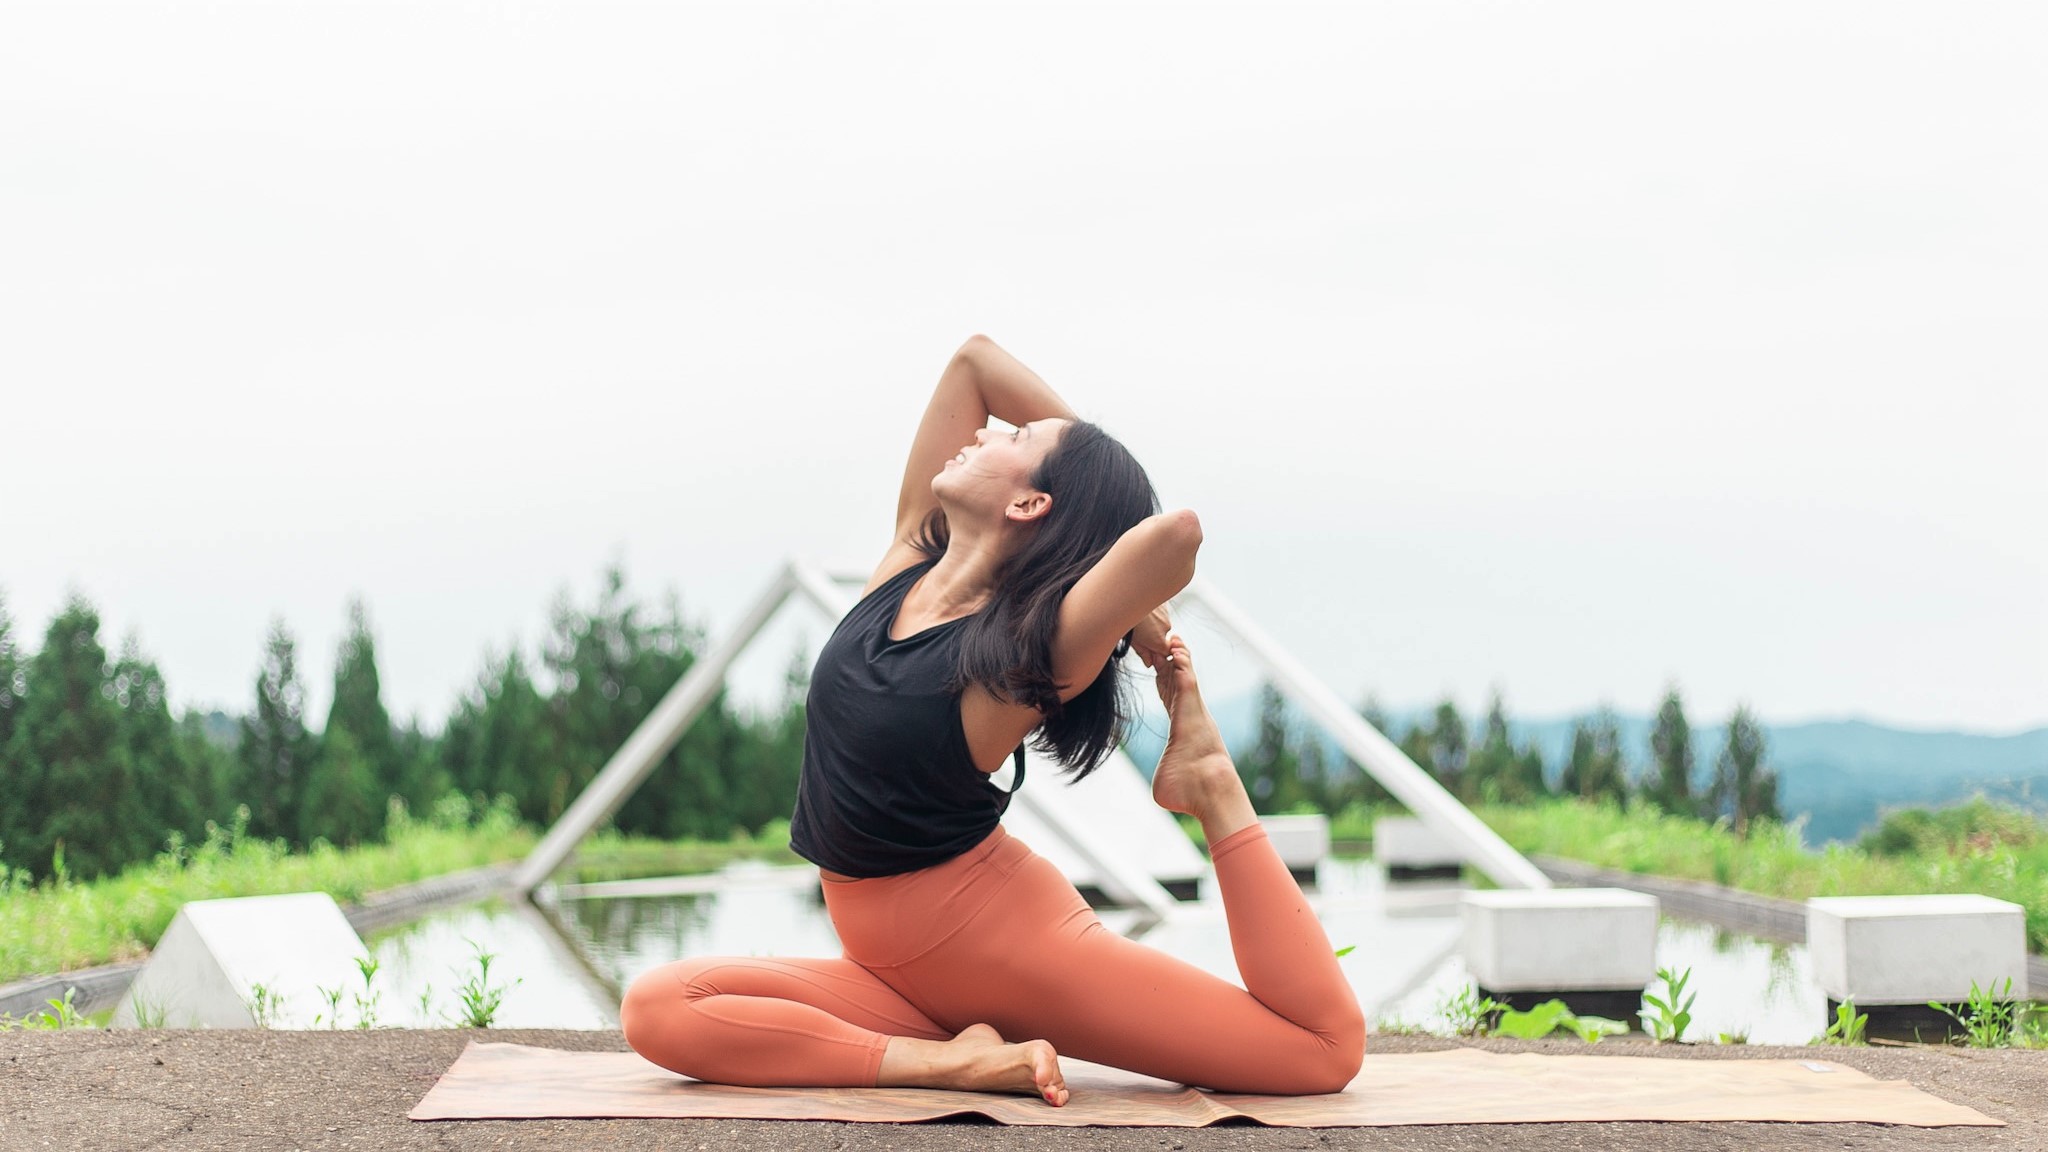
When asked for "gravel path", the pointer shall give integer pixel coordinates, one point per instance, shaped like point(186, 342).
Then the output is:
point(86, 1089)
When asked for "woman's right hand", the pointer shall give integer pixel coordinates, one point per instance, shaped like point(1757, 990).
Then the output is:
point(1149, 638)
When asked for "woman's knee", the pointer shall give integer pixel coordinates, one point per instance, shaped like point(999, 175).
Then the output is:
point(1342, 1054)
point(656, 1007)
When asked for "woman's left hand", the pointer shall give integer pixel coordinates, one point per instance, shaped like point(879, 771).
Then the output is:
point(1148, 639)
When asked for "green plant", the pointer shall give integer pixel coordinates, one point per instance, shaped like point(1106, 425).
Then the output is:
point(1534, 1024)
point(1346, 950)
point(1467, 1013)
point(480, 1000)
point(62, 1014)
point(150, 1013)
point(1739, 1036)
point(1990, 1018)
point(1665, 1018)
point(333, 997)
point(1847, 1028)
point(264, 1005)
point(366, 1000)
point(1552, 1016)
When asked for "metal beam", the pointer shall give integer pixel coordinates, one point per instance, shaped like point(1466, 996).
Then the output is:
point(649, 742)
point(1379, 756)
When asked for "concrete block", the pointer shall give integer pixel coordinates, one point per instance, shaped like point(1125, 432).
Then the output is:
point(205, 970)
point(1560, 939)
point(1879, 950)
point(1405, 845)
point(1302, 841)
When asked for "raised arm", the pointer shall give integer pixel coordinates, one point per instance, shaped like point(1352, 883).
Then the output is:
point(1147, 566)
point(981, 380)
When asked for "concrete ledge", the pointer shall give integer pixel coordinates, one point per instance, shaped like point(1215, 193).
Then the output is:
point(1302, 841)
point(1884, 950)
point(1560, 939)
point(1766, 917)
point(1404, 845)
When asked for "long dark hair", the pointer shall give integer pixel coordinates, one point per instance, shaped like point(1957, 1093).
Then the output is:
point(1099, 491)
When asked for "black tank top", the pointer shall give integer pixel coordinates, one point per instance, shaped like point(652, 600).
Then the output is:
point(889, 785)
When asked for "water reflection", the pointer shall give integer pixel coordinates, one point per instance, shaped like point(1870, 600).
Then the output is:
point(596, 939)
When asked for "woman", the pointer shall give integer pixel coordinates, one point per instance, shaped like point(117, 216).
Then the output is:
point(1022, 565)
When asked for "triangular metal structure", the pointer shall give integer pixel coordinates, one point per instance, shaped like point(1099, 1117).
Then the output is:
point(1105, 830)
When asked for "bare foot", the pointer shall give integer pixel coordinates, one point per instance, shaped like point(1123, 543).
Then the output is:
point(977, 1060)
point(1195, 762)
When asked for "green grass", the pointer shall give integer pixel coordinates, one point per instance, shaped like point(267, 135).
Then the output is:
point(1771, 860)
point(63, 924)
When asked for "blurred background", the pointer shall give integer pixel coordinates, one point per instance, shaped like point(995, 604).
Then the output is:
point(1533, 358)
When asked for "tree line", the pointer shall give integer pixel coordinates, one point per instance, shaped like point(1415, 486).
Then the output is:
point(1289, 767)
point(96, 772)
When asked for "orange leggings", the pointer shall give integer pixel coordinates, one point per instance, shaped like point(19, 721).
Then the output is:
point(998, 936)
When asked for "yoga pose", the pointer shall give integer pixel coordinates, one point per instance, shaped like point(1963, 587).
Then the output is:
point(1022, 566)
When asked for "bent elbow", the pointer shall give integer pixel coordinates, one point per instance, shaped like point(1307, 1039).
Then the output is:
point(1184, 534)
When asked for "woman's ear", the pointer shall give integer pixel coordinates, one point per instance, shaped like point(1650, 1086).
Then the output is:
point(1029, 509)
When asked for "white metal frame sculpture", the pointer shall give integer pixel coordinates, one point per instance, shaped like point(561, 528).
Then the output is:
point(1118, 876)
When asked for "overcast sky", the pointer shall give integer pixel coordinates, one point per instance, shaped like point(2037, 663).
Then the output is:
point(1573, 350)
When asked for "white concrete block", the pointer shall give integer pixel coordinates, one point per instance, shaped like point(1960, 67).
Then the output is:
point(1405, 842)
point(1560, 939)
point(1302, 841)
point(1912, 949)
point(205, 970)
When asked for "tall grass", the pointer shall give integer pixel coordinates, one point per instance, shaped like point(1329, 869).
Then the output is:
point(1771, 861)
point(61, 924)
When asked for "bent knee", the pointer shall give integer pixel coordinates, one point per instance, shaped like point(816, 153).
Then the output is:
point(1343, 1053)
point(656, 1006)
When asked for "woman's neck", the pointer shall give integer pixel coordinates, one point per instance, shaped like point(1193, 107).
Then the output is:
point(965, 576)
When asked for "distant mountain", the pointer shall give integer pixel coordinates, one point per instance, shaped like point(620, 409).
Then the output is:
point(1840, 774)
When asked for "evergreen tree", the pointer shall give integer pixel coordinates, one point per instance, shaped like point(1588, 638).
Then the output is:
point(276, 752)
point(80, 781)
point(16, 815)
point(1272, 770)
point(1358, 786)
point(1450, 749)
point(170, 787)
point(1493, 762)
point(1595, 768)
point(1745, 789)
point(1670, 786)
point(342, 802)
point(358, 707)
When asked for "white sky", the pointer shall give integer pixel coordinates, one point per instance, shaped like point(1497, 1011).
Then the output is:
point(1574, 349)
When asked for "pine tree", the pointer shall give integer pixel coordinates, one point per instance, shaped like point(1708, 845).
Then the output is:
point(1493, 762)
point(1745, 789)
point(15, 814)
point(1671, 759)
point(170, 787)
point(358, 707)
point(498, 742)
point(342, 802)
point(1272, 770)
point(1450, 749)
point(276, 752)
point(1595, 768)
point(80, 780)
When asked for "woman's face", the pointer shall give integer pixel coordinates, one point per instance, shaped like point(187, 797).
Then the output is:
point(995, 471)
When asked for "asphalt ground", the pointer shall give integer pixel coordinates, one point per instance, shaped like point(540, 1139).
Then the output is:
point(91, 1089)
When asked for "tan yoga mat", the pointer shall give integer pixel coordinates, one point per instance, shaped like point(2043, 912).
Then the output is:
point(1461, 1086)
